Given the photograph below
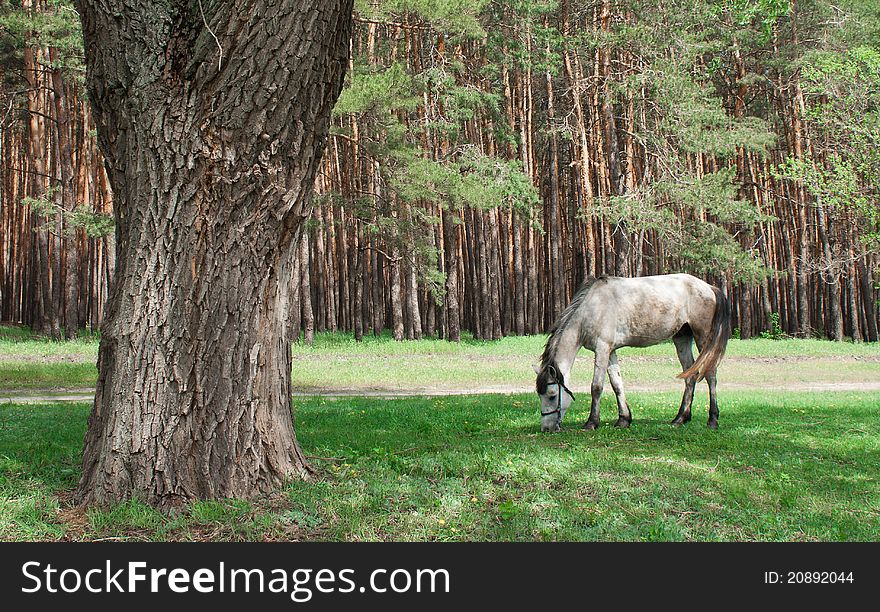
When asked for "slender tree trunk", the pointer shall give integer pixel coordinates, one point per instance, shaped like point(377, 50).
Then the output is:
point(360, 280)
point(305, 289)
point(46, 320)
point(396, 301)
point(212, 159)
point(376, 265)
point(495, 274)
point(831, 276)
point(296, 319)
point(68, 201)
point(554, 231)
point(519, 291)
point(414, 329)
point(869, 300)
point(412, 295)
point(451, 248)
point(535, 318)
point(853, 299)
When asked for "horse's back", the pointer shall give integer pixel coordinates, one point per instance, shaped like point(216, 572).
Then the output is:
point(646, 310)
point(661, 287)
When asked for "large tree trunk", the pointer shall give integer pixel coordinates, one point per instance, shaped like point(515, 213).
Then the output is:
point(212, 126)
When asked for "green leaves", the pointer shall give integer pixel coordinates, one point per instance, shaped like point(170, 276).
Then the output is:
point(459, 18)
point(468, 178)
point(94, 224)
point(55, 25)
point(692, 118)
point(411, 124)
point(842, 94)
point(378, 90)
point(698, 219)
point(508, 510)
point(759, 15)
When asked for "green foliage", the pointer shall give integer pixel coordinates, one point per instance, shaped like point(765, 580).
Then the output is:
point(470, 178)
point(521, 35)
point(693, 119)
point(775, 332)
point(860, 24)
point(94, 224)
point(694, 218)
point(378, 91)
point(746, 14)
point(55, 25)
point(42, 206)
point(459, 18)
point(842, 91)
point(677, 77)
point(706, 248)
point(387, 101)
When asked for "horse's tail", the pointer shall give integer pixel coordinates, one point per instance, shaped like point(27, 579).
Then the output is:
point(716, 344)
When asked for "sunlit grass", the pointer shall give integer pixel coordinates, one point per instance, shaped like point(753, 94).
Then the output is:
point(336, 361)
point(783, 466)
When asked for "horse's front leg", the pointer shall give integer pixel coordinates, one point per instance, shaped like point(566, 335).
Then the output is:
point(624, 416)
point(600, 367)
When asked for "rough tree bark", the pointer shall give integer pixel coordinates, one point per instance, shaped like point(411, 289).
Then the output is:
point(212, 117)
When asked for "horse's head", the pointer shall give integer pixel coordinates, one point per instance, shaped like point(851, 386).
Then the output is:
point(554, 395)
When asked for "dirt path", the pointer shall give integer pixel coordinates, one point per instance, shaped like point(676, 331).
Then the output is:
point(35, 396)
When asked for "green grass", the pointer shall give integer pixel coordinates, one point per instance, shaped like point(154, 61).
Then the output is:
point(32, 363)
point(783, 466)
point(28, 375)
point(344, 343)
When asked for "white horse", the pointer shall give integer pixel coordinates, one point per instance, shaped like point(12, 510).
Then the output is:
point(610, 312)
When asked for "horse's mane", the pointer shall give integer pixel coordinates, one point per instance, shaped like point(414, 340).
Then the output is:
point(548, 357)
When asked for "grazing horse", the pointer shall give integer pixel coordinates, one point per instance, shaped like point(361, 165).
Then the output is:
point(609, 312)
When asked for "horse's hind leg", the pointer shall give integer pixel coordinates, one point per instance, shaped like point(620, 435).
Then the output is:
point(599, 368)
point(684, 348)
point(713, 401)
point(624, 416)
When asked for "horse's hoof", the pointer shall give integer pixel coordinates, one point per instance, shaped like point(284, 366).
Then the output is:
point(590, 425)
point(677, 422)
point(623, 423)
point(712, 424)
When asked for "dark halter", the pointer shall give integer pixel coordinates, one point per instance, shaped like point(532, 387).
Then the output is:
point(557, 381)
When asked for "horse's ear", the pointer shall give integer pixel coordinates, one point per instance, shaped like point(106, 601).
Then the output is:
point(536, 368)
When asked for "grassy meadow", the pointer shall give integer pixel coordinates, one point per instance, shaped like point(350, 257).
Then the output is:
point(784, 465)
point(335, 361)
